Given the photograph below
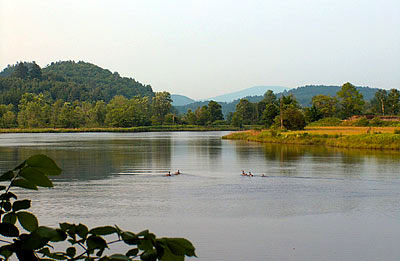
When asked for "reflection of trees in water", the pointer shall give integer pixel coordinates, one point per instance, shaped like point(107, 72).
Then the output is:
point(283, 152)
point(97, 159)
point(303, 160)
point(211, 148)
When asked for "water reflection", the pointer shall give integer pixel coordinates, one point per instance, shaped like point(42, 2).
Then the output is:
point(118, 177)
point(94, 158)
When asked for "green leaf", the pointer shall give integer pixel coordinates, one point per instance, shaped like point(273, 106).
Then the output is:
point(129, 238)
point(96, 242)
point(10, 218)
point(143, 233)
point(44, 164)
point(145, 244)
point(71, 251)
point(35, 176)
point(132, 252)
point(150, 255)
point(21, 204)
point(59, 236)
point(176, 248)
point(119, 257)
point(82, 230)
point(106, 230)
point(27, 220)
point(7, 176)
point(175, 243)
point(34, 241)
point(6, 205)
point(8, 230)
point(7, 196)
point(6, 251)
point(53, 235)
point(23, 183)
point(167, 255)
point(65, 226)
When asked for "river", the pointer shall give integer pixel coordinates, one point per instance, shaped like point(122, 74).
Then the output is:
point(315, 203)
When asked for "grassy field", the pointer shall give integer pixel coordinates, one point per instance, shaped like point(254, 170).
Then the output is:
point(343, 137)
point(347, 130)
point(132, 129)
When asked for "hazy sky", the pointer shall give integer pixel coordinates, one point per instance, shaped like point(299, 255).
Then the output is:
point(204, 48)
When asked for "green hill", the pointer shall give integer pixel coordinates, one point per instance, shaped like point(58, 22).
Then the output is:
point(70, 81)
point(180, 100)
point(303, 95)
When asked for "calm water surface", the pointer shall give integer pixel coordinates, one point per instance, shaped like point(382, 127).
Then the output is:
point(315, 203)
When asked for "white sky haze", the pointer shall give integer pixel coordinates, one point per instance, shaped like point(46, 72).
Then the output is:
point(203, 48)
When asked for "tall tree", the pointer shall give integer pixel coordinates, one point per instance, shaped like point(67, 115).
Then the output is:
point(161, 105)
point(190, 117)
point(293, 119)
point(118, 112)
point(21, 71)
point(203, 115)
point(7, 116)
point(215, 111)
point(350, 100)
point(269, 114)
point(34, 111)
point(325, 104)
point(245, 111)
point(269, 97)
point(393, 102)
point(381, 98)
point(35, 71)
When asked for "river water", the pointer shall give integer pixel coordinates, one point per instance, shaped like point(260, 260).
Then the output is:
point(315, 203)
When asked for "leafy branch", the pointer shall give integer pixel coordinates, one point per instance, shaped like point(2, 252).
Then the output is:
point(85, 244)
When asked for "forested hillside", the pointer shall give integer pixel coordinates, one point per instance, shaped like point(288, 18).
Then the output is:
point(68, 81)
point(302, 94)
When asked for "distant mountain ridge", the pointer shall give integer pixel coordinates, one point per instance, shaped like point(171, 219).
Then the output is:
point(252, 91)
point(181, 100)
point(303, 95)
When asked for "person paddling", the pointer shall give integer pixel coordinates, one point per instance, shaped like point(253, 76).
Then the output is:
point(168, 174)
point(178, 172)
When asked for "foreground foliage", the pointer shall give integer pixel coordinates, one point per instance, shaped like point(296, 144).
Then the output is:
point(30, 241)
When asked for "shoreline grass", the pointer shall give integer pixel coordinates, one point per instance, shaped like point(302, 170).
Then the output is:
point(131, 129)
point(341, 137)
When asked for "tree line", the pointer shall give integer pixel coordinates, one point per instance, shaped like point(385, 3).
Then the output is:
point(42, 111)
point(287, 113)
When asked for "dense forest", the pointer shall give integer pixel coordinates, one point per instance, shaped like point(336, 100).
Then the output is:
point(78, 94)
point(68, 81)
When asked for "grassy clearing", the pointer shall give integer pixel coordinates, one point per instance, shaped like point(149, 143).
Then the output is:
point(342, 137)
point(132, 129)
point(347, 130)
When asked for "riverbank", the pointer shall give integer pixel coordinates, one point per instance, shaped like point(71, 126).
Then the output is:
point(132, 129)
point(341, 137)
